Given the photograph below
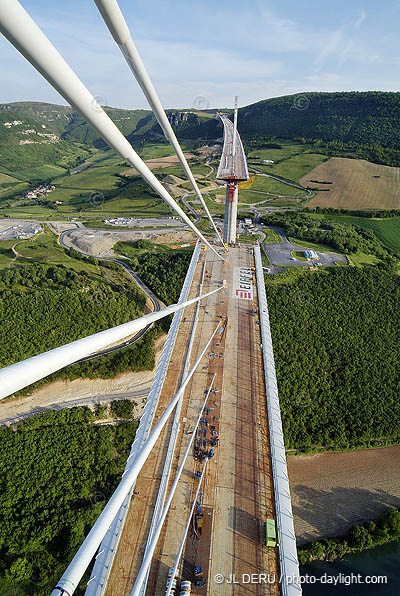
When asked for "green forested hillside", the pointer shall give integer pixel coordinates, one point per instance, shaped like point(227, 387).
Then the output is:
point(336, 346)
point(361, 117)
point(27, 140)
point(76, 139)
point(363, 124)
point(58, 470)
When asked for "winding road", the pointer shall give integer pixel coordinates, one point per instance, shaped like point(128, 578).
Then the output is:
point(142, 286)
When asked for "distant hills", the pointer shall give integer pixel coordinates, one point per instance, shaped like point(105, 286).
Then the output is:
point(33, 133)
point(349, 117)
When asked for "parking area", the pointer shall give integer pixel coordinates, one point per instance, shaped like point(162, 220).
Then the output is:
point(281, 253)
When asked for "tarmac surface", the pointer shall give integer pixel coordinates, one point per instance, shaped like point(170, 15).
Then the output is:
point(281, 254)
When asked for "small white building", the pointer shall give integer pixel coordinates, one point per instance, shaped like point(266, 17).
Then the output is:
point(311, 254)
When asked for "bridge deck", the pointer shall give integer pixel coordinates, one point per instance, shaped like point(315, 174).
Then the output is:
point(238, 490)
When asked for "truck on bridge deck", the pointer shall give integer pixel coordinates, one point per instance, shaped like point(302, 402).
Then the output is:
point(270, 532)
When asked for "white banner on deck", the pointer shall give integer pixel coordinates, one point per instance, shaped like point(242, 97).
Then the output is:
point(243, 283)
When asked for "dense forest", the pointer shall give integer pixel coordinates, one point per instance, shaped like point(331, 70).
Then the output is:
point(343, 237)
point(366, 118)
point(58, 470)
point(337, 354)
point(359, 538)
point(44, 306)
point(163, 272)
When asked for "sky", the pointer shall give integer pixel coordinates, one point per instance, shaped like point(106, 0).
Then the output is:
point(202, 53)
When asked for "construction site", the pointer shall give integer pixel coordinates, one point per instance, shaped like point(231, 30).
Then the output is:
point(227, 534)
point(203, 505)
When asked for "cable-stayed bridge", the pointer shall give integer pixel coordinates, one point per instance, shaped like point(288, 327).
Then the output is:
point(205, 494)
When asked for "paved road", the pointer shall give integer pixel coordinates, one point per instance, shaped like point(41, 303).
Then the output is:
point(192, 209)
point(142, 286)
point(281, 254)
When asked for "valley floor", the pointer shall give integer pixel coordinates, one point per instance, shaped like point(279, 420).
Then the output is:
point(333, 491)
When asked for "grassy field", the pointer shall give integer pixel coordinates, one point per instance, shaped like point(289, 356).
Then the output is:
point(271, 185)
point(287, 151)
point(299, 254)
point(212, 203)
point(248, 238)
point(356, 184)
point(271, 237)
point(313, 245)
point(293, 161)
point(153, 151)
point(41, 173)
point(387, 230)
point(6, 179)
point(359, 259)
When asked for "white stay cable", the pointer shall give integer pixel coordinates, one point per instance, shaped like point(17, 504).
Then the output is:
point(116, 23)
point(20, 29)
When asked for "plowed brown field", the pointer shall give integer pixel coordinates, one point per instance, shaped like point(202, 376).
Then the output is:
point(356, 184)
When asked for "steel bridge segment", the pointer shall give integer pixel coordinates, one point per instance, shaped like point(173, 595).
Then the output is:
point(102, 568)
point(233, 165)
point(180, 550)
point(289, 564)
point(158, 509)
point(140, 582)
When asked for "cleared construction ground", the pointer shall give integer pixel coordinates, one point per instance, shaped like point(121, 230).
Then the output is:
point(238, 489)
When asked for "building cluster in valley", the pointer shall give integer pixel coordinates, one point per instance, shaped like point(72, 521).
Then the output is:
point(40, 191)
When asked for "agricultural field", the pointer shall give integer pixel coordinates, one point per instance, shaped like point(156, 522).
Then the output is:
point(94, 189)
point(293, 161)
point(356, 184)
point(387, 230)
point(6, 179)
